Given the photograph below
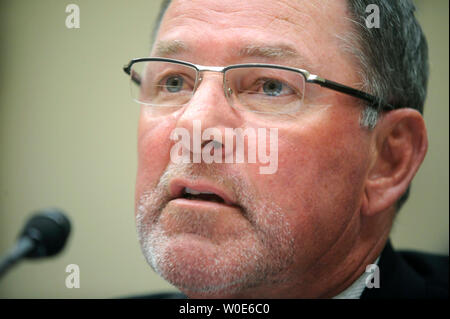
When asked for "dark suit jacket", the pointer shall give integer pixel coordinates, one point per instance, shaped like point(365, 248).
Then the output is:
point(410, 275)
point(403, 275)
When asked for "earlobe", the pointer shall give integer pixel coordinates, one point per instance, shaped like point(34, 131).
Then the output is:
point(400, 144)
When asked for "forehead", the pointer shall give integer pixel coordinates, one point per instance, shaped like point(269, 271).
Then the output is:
point(267, 13)
point(216, 31)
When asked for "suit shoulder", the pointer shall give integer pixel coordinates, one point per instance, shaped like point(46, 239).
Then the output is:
point(432, 268)
point(406, 274)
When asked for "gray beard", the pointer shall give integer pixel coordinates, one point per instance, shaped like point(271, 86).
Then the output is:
point(259, 257)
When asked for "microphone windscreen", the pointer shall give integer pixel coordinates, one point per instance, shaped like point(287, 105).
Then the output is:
point(49, 229)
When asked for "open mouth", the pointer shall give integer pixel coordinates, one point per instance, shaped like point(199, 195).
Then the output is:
point(201, 191)
point(192, 194)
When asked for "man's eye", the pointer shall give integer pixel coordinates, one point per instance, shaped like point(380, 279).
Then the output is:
point(174, 83)
point(273, 87)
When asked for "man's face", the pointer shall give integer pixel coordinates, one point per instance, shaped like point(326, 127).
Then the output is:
point(280, 230)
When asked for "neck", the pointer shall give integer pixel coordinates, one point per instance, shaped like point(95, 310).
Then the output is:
point(351, 255)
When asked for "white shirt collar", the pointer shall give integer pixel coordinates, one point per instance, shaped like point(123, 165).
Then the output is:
point(356, 289)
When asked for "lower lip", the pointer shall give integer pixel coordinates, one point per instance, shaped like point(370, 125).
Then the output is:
point(201, 204)
point(204, 219)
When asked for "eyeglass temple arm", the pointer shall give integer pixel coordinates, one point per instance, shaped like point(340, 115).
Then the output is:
point(373, 101)
point(134, 77)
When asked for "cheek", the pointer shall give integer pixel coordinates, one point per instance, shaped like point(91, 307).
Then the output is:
point(153, 150)
point(319, 182)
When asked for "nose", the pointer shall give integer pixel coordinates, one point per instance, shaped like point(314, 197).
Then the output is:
point(207, 115)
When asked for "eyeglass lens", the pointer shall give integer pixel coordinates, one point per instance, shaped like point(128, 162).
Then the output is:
point(252, 88)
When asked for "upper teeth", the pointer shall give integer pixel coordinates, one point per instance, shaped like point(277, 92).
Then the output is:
point(194, 192)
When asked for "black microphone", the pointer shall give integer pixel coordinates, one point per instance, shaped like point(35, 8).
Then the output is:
point(45, 234)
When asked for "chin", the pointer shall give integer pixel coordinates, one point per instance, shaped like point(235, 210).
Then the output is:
point(200, 268)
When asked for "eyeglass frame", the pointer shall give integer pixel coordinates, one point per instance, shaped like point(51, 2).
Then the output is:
point(373, 101)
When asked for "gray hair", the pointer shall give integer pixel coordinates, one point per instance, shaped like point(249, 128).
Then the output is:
point(393, 58)
point(162, 11)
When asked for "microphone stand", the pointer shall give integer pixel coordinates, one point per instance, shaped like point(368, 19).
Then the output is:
point(21, 249)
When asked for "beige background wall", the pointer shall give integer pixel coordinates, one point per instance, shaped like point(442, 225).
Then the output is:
point(67, 139)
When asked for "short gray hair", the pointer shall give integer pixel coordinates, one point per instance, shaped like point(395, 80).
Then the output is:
point(393, 58)
point(162, 11)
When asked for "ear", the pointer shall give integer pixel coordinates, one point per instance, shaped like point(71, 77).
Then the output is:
point(400, 144)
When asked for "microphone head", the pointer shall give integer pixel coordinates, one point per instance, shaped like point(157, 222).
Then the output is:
point(49, 230)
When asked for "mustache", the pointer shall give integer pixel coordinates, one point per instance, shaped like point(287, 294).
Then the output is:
point(158, 197)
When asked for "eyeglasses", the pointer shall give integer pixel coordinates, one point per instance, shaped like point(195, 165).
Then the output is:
point(255, 87)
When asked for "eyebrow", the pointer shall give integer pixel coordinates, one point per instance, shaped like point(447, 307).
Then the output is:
point(164, 48)
point(279, 51)
point(266, 51)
